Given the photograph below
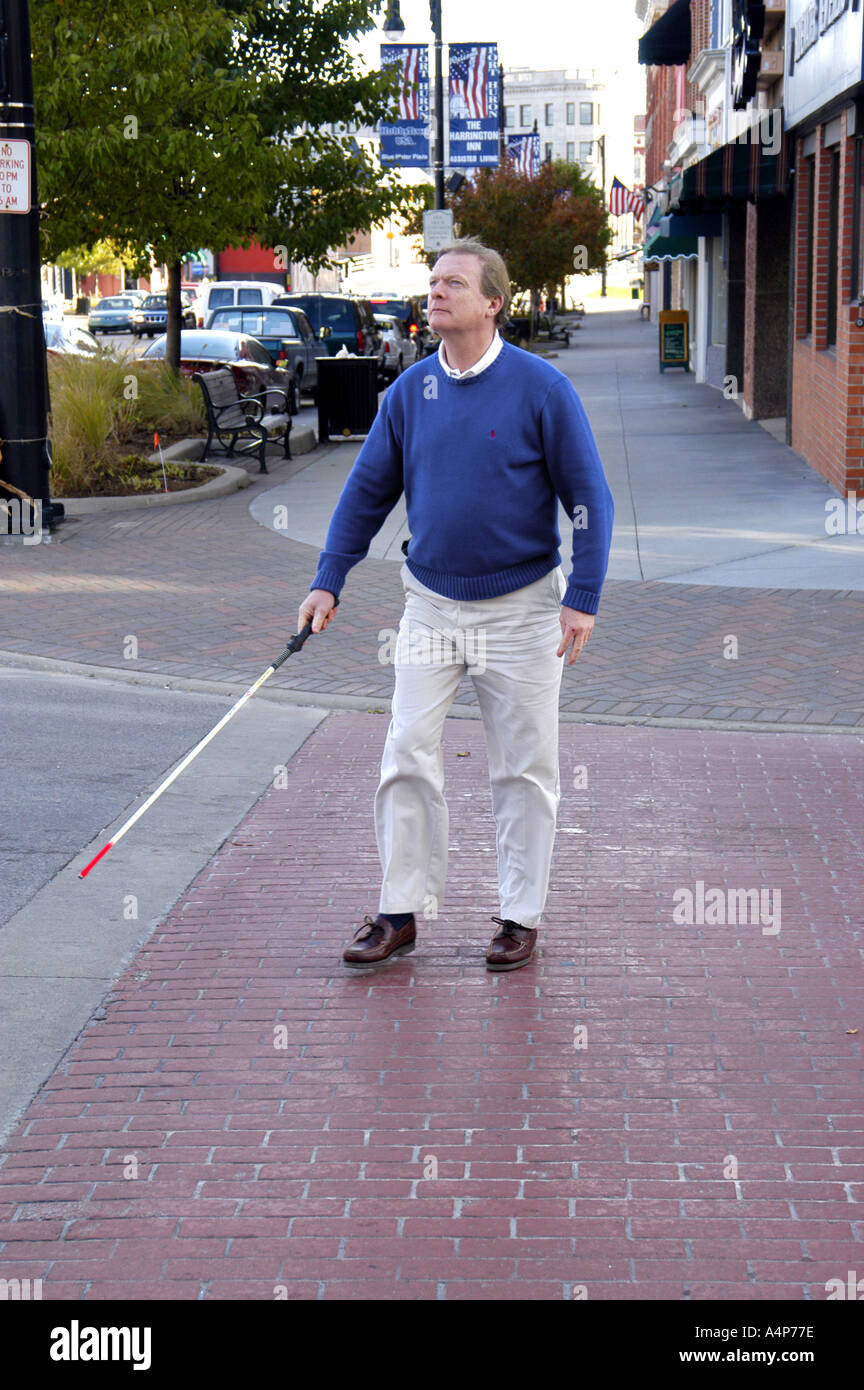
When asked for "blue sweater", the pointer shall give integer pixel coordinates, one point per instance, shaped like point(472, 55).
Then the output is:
point(481, 462)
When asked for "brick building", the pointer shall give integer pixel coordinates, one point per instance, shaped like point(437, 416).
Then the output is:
point(825, 116)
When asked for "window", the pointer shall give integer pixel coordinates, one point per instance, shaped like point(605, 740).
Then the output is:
point(811, 234)
point(547, 153)
point(524, 115)
point(833, 247)
point(571, 152)
point(585, 148)
point(856, 283)
point(571, 113)
point(718, 291)
point(586, 113)
point(549, 113)
point(509, 115)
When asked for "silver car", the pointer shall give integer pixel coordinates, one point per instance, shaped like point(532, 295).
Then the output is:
point(284, 331)
point(401, 348)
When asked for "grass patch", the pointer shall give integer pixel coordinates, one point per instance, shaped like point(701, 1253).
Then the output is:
point(104, 413)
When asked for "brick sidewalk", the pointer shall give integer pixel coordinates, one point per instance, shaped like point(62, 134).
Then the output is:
point(210, 594)
point(605, 1161)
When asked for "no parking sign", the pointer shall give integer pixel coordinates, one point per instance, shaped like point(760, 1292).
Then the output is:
point(14, 175)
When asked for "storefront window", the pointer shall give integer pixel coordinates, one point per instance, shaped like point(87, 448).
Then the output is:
point(811, 243)
point(833, 248)
point(857, 284)
point(718, 292)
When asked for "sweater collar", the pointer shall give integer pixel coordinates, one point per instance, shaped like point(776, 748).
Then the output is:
point(485, 361)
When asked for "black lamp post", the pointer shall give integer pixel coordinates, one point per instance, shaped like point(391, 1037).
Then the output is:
point(23, 383)
point(395, 30)
point(601, 145)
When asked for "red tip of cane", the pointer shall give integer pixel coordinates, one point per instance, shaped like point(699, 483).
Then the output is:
point(85, 872)
point(155, 441)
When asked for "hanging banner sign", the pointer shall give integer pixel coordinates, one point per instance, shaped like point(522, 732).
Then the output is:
point(14, 175)
point(524, 150)
point(406, 140)
point(473, 105)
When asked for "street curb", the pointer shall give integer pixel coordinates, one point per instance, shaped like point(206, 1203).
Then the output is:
point(376, 704)
point(303, 441)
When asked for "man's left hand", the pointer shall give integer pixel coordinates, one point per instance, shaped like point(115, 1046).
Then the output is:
point(575, 631)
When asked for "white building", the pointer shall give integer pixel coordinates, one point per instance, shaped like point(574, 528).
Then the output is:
point(566, 106)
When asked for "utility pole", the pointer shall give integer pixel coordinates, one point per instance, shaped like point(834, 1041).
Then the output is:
point(435, 16)
point(502, 137)
point(602, 143)
point(23, 372)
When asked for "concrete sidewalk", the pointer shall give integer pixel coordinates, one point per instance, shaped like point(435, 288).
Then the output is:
point(210, 593)
point(658, 1107)
point(702, 495)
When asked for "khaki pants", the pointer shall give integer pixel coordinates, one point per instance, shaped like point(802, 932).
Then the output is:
point(509, 645)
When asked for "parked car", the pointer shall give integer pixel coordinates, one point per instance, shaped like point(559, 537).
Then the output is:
point(67, 339)
point(407, 308)
point(222, 293)
point(341, 321)
point(401, 347)
point(152, 317)
point(285, 332)
point(52, 310)
point(112, 315)
point(204, 350)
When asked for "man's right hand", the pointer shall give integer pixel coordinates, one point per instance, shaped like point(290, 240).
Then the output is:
point(319, 607)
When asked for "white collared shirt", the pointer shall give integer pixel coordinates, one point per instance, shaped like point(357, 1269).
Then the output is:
point(485, 361)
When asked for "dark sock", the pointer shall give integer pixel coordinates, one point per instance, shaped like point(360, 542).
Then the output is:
point(398, 920)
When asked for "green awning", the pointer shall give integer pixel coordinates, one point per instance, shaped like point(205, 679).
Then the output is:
point(671, 248)
point(739, 171)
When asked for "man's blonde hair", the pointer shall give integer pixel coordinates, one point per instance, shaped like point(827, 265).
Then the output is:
point(494, 276)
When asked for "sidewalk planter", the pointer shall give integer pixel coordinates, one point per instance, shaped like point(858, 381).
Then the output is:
point(347, 395)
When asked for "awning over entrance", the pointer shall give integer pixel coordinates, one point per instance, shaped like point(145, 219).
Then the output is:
point(740, 171)
point(667, 42)
point(671, 248)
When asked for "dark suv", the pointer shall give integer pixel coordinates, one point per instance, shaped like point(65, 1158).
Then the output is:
point(340, 321)
point(152, 317)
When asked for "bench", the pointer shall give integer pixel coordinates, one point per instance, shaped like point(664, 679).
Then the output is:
point(232, 416)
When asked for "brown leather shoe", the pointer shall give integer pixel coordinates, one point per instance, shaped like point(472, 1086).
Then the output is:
point(512, 948)
point(376, 941)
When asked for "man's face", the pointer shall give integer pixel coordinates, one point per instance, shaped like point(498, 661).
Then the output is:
point(456, 301)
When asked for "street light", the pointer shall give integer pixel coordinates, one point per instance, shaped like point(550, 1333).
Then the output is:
point(23, 380)
point(394, 29)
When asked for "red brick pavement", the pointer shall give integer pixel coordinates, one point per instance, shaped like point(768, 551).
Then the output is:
point(211, 594)
point(605, 1160)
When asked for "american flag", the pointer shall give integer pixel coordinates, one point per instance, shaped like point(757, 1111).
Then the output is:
point(622, 201)
point(522, 149)
point(409, 65)
point(469, 73)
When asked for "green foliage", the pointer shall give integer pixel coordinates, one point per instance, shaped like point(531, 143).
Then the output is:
point(98, 403)
point(536, 224)
point(169, 127)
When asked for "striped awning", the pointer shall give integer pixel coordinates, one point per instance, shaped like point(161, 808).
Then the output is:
point(740, 171)
point(671, 248)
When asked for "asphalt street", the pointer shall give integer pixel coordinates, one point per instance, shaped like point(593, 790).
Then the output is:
point(96, 744)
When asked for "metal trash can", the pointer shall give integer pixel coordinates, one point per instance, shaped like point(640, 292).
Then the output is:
point(347, 395)
point(82, 305)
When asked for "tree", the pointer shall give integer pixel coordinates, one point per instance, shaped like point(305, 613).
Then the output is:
point(546, 228)
point(169, 127)
point(104, 258)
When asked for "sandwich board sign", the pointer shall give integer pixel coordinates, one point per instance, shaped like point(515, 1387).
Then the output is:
point(14, 175)
point(674, 339)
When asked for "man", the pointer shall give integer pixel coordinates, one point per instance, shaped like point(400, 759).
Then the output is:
point(483, 438)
